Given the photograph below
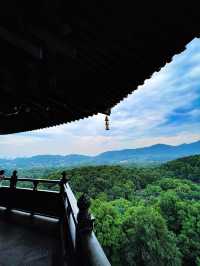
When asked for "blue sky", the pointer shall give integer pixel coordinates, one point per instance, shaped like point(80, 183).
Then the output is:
point(165, 109)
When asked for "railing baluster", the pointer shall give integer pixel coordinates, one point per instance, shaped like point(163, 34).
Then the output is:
point(13, 180)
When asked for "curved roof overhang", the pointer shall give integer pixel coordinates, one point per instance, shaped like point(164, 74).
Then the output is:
point(60, 62)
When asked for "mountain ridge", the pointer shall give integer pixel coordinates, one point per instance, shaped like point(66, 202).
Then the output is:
point(157, 153)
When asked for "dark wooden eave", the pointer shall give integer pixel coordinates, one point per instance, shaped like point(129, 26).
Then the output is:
point(61, 61)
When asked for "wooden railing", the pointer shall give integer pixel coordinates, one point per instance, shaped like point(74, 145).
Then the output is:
point(14, 179)
point(80, 245)
point(80, 222)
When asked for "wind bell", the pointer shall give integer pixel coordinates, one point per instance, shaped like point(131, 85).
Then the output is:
point(107, 123)
point(107, 113)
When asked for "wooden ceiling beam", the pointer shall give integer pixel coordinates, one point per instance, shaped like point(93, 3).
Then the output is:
point(18, 42)
point(53, 44)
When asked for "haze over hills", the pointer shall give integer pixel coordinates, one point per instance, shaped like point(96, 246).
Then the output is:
point(158, 153)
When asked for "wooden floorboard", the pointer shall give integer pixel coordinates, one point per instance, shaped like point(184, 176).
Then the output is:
point(26, 240)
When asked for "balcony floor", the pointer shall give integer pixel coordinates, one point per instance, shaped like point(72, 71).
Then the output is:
point(26, 240)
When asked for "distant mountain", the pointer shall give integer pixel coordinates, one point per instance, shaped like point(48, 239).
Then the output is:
point(44, 161)
point(154, 154)
point(158, 153)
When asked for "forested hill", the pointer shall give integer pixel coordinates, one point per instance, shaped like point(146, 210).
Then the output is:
point(185, 168)
point(148, 155)
point(118, 181)
point(146, 215)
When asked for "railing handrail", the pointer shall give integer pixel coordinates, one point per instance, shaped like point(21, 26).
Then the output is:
point(71, 202)
point(14, 179)
point(95, 253)
point(40, 180)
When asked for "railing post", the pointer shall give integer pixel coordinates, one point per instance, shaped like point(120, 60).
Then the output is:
point(63, 181)
point(2, 172)
point(35, 184)
point(85, 222)
point(84, 229)
point(13, 183)
point(63, 219)
point(13, 180)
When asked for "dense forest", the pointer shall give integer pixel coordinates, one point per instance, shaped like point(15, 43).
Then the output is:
point(144, 215)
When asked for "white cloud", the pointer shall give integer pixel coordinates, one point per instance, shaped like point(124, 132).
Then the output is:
point(19, 140)
point(194, 73)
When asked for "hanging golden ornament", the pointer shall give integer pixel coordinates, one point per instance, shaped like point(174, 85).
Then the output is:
point(107, 123)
